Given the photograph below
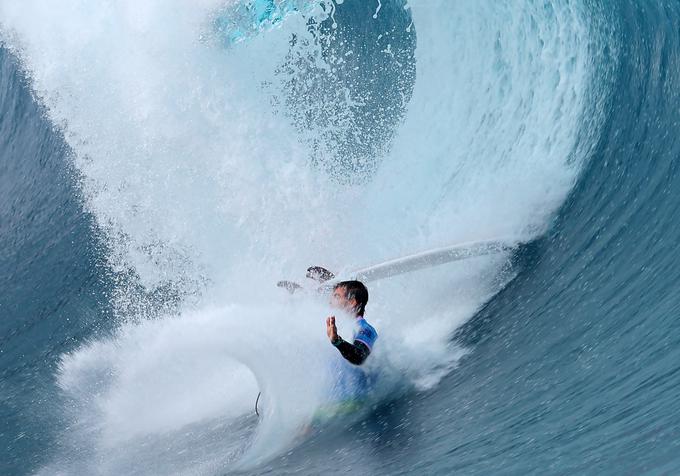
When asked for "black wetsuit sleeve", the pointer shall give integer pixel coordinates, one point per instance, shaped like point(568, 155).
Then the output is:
point(355, 353)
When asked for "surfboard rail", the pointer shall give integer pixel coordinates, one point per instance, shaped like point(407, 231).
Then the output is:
point(424, 259)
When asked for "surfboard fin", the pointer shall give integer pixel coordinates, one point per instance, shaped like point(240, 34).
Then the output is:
point(319, 274)
point(289, 286)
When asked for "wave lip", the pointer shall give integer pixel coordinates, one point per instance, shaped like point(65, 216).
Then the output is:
point(199, 176)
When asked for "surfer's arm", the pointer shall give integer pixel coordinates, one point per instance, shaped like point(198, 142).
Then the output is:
point(355, 353)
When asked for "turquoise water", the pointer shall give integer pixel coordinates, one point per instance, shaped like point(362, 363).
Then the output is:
point(242, 20)
point(141, 232)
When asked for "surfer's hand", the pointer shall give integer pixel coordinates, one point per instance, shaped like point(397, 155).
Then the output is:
point(331, 330)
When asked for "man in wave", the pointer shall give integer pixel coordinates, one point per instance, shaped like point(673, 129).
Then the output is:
point(351, 297)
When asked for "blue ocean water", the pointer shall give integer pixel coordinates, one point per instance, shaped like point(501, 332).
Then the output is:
point(553, 121)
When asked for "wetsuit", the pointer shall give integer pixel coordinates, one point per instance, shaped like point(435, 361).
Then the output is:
point(364, 338)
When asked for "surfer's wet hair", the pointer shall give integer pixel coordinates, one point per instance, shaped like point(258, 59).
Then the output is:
point(355, 290)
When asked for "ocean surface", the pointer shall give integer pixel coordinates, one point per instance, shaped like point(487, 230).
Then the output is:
point(164, 164)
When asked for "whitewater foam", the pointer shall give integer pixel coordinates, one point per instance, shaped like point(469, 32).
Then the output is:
point(199, 181)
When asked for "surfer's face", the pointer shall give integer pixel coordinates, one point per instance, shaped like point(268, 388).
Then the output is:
point(339, 300)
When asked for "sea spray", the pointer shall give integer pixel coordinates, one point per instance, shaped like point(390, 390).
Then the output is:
point(200, 178)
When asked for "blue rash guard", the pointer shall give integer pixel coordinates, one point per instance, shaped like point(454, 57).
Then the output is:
point(353, 381)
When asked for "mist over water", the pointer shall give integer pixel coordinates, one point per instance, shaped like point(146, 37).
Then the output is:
point(213, 170)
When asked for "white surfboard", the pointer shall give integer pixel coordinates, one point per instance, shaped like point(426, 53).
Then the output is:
point(425, 259)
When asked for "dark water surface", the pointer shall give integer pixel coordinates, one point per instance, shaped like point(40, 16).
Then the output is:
point(575, 365)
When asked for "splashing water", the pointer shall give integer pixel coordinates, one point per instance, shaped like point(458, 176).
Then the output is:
point(205, 178)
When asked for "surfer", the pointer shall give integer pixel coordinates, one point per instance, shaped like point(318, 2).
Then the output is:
point(352, 296)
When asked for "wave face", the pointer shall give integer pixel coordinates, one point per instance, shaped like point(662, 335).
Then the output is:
point(169, 161)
